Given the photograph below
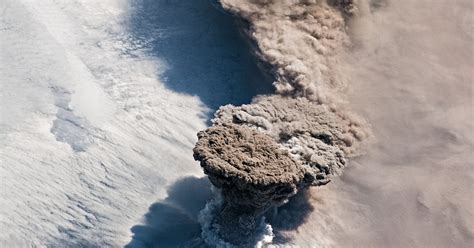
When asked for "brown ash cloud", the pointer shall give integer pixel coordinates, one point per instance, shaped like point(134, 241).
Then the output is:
point(252, 172)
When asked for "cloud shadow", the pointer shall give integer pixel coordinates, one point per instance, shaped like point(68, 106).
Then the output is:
point(205, 53)
point(173, 222)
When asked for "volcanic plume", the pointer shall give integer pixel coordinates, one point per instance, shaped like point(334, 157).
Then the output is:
point(260, 154)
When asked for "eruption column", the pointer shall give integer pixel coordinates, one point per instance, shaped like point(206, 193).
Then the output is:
point(253, 173)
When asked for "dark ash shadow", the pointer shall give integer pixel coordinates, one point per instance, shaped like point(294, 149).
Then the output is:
point(290, 216)
point(173, 222)
point(204, 50)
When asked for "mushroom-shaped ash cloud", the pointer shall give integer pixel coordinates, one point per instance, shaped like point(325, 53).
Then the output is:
point(252, 171)
point(261, 154)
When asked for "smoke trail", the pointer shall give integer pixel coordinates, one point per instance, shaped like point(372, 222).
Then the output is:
point(262, 153)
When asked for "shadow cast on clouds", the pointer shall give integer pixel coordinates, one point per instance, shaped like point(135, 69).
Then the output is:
point(173, 222)
point(203, 49)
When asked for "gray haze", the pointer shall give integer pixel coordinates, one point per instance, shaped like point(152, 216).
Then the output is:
point(411, 67)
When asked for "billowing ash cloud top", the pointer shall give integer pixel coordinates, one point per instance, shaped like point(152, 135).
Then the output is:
point(262, 153)
point(235, 155)
point(313, 134)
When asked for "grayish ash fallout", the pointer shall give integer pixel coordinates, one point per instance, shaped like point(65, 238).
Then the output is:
point(260, 154)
